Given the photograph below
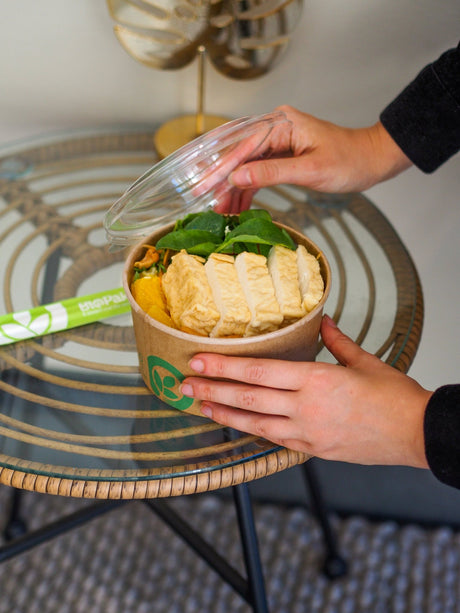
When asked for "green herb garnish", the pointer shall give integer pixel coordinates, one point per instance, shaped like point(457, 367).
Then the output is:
point(208, 232)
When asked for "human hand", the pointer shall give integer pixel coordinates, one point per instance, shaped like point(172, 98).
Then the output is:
point(320, 155)
point(361, 410)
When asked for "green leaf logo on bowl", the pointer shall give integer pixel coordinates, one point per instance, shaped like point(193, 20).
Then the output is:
point(164, 380)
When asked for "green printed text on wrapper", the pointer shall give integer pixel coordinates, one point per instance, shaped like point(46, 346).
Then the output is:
point(63, 315)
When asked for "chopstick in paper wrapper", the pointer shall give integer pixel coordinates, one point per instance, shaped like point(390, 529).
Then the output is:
point(62, 315)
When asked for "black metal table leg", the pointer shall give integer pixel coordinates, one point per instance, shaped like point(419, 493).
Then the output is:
point(194, 540)
point(60, 526)
point(15, 526)
point(250, 545)
point(334, 564)
point(251, 589)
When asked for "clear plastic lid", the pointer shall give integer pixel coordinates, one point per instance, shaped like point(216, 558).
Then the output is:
point(192, 179)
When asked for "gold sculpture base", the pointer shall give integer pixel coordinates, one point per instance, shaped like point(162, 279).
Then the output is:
point(181, 130)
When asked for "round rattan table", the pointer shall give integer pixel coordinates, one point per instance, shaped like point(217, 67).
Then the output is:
point(75, 417)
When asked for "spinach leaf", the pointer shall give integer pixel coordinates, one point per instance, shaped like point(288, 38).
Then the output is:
point(203, 249)
point(242, 238)
point(180, 223)
point(208, 221)
point(208, 232)
point(245, 242)
point(188, 240)
point(254, 214)
point(257, 230)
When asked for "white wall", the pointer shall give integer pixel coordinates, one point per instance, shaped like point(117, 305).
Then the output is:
point(61, 67)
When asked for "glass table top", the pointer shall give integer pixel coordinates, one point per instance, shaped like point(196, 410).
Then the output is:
point(72, 404)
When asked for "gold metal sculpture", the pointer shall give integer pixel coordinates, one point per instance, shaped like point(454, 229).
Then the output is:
point(242, 39)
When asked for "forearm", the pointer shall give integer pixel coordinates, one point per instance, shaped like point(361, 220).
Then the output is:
point(386, 159)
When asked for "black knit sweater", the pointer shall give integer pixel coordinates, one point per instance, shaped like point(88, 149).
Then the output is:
point(424, 120)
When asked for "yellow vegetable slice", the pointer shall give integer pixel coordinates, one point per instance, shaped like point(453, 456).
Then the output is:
point(149, 295)
point(160, 315)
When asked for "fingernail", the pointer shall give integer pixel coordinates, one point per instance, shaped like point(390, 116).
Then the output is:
point(197, 365)
point(206, 410)
point(240, 178)
point(187, 389)
point(330, 322)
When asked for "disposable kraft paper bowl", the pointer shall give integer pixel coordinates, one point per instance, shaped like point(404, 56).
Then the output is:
point(164, 353)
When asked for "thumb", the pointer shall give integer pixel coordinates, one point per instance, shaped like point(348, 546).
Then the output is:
point(345, 351)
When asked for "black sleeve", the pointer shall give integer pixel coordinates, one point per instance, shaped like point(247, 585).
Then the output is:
point(442, 434)
point(424, 120)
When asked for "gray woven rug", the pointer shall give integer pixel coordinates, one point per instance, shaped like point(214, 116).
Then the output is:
point(128, 561)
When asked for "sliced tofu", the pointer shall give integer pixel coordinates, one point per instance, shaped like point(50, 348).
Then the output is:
point(282, 265)
point(228, 296)
point(310, 280)
point(188, 295)
point(252, 271)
